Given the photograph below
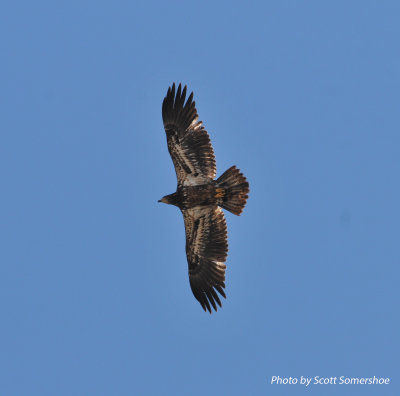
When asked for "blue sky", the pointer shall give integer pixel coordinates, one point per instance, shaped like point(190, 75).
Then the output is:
point(303, 96)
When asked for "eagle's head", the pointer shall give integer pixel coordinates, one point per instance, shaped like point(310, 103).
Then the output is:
point(171, 199)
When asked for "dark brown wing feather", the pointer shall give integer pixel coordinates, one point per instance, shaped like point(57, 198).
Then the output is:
point(188, 142)
point(206, 251)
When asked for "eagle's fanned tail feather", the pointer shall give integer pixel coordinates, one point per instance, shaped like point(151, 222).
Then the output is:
point(235, 188)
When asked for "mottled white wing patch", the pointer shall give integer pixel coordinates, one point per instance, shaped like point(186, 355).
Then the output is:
point(188, 142)
point(206, 251)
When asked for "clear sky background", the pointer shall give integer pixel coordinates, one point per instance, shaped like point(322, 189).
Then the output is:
point(303, 96)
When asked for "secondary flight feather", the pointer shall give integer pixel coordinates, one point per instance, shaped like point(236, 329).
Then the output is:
point(200, 197)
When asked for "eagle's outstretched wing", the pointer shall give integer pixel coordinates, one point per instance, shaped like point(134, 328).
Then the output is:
point(188, 142)
point(206, 251)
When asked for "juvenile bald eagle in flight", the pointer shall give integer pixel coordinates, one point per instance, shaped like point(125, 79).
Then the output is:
point(200, 197)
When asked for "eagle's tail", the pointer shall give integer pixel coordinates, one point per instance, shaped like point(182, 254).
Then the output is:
point(232, 189)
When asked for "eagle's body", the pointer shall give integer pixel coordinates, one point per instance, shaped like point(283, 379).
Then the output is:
point(200, 197)
point(188, 197)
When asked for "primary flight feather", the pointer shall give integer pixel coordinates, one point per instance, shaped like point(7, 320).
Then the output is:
point(200, 197)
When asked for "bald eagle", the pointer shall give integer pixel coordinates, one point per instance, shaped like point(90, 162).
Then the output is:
point(200, 197)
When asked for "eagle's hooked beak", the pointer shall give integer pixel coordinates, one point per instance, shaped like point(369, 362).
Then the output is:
point(168, 199)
